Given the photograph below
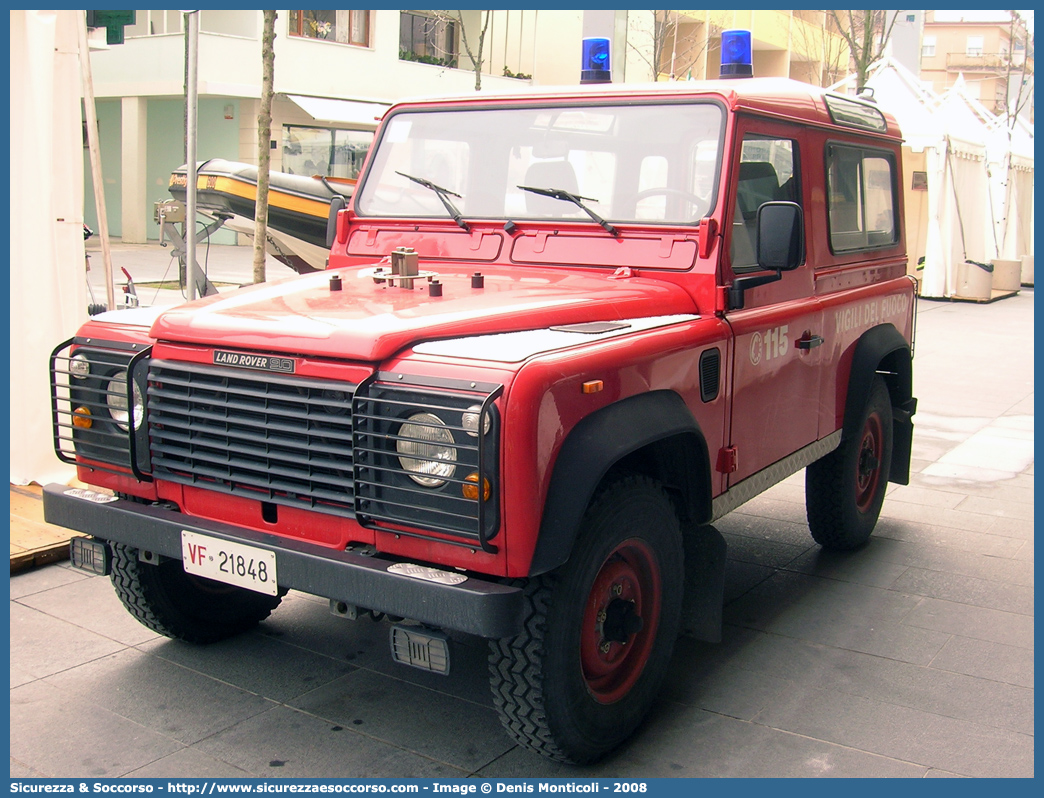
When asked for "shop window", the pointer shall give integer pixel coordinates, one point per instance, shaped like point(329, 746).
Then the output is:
point(324, 151)
point(428, 39)
point(346, 27)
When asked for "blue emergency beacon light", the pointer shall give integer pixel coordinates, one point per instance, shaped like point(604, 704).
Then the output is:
point(735, 55)
point(596, 64)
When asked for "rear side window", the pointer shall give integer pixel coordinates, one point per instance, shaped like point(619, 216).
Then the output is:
point(861, 197)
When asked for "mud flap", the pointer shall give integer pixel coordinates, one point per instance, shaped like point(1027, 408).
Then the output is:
point(705, 550)
point(902, 441)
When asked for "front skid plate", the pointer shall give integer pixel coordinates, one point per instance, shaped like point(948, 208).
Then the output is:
point(475, 606)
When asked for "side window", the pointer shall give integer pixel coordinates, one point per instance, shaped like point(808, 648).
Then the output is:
point(768, 172)
point(861, 198)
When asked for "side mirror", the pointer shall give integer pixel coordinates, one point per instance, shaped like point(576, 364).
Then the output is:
point(781, 236)
point(337, 204)
point(780, 247)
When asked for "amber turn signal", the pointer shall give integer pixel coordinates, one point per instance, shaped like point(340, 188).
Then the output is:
point(82, 418)
point(470, 490)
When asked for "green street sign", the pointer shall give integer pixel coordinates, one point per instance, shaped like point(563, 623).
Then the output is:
point(112, 21)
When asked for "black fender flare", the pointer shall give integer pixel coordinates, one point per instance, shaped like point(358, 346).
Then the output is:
point(884, 348)
point(602, 440)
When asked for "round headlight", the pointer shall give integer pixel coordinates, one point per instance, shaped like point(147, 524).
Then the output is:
point(79, 366)
point(426, 450)
point(470, 421)
point(117, 401)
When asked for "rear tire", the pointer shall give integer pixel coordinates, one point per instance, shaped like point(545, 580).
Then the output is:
point(599, 632)
point(845, 489)
point(183, 606)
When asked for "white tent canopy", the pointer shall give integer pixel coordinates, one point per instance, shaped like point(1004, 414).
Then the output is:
point(957, 223)
point(1009, 155)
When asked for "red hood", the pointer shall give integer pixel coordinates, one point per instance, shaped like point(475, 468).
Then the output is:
point(370, 322)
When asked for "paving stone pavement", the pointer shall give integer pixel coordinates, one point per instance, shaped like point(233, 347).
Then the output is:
point(912, 657)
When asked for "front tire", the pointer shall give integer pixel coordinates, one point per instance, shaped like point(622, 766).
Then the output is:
point(183, 606)
point(845, 489)
point(599, 632)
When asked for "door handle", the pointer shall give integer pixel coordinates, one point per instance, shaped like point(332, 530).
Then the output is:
point(809, 341)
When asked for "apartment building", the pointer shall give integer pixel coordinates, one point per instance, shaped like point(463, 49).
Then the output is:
point(336, 71)
point(335, 74)
point(904, 45)
point(662, 45)
point(992, 52)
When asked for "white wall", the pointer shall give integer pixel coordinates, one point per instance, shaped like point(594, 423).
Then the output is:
point(233, 23)
point(558, 47)
point(545, 44)
point(48, 289)
point(230, 64)
point(331, 69)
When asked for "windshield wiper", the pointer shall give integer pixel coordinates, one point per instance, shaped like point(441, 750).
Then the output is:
point(444, 195)
point(576, 199)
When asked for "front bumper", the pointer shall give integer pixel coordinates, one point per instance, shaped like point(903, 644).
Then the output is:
point(487, 609)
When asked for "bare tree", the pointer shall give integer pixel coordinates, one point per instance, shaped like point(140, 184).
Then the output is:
point(866, 33)
point(676, 43)
point(825, 54)
point(1018, 91)
point(264, 135)
point(1018, 71)
point(474, 53)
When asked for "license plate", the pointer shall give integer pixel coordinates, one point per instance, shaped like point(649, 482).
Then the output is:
point(231, 563)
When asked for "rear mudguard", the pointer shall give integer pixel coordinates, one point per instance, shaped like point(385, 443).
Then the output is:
point(883, 349)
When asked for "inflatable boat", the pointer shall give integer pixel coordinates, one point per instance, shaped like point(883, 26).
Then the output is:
point(298, 207)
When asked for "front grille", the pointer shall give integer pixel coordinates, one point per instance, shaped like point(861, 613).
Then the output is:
point(390, 496)
point(279, 439)
point(96, 439)
point(332, 447)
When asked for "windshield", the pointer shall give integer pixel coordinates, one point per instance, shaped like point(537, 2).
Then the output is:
point(627, 163)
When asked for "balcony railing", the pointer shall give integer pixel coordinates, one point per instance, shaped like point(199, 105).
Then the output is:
point(988, 62)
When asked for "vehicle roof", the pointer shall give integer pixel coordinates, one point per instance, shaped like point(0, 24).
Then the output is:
point(780, 97)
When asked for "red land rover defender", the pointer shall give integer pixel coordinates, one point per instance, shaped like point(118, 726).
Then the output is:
point(559, 335)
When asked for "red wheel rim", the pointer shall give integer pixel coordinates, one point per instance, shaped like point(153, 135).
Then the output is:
point(613, 652)
point(868, 462)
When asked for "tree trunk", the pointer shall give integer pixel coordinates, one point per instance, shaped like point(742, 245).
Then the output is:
point(478, 60)
point(866, 33)
point(264, 153)
point(474, 55)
